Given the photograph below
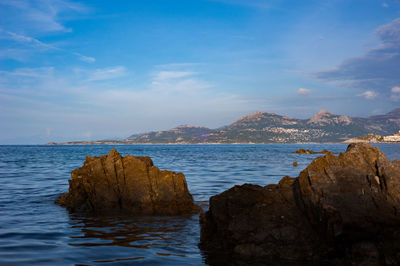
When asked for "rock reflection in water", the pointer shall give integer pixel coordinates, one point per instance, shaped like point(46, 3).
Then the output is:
point(144, 236)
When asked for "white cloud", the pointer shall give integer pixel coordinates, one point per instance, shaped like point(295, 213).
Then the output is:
point(107, 73)
point(25, 39)
point(369, 95)
point(304, 91)
point(395, 96)
point(166, 75)
point(178, 82)
point(40, 73)
point(178, 65)
point(84, 58)
point(38, 45)
point(69, 105)
point(396, 89)
point(24, 20)
point(38, 16)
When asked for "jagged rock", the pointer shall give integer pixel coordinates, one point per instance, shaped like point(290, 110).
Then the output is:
point(129, 184)
point(341, 210)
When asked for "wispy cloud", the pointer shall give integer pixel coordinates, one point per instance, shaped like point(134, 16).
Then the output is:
point(304, 91)
point(25, 39)
point(369, 95)
point(85, 58)
point(24, 21)
point(183, 81)
point(172, 66)
point(43, 96)
point(30, 72)
point(107, 73)
point(379, 68)
point(167, 75)
point(38, 45)
point(38, 16)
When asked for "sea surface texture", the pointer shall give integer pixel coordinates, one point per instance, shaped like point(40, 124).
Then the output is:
point(36, 231)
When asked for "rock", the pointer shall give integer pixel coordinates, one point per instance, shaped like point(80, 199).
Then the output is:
point(304, 151)
point(250, 223)
point(341, 210)
point(325, 152)
point(295, 163)
point(128, 184)
point(313, 152)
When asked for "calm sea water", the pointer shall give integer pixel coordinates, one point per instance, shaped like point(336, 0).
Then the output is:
point(34, 230)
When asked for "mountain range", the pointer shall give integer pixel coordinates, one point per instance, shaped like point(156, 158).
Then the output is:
point(262, 127)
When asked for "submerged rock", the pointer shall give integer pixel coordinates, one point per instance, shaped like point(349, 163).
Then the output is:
point(129, 184)
point(341, 210)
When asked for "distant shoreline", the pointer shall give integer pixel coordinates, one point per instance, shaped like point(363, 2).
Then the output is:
point(297, 143)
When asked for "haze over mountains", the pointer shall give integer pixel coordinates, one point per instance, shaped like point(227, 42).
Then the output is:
point(262, 127)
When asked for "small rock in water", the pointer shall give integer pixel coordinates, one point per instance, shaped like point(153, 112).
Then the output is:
point(313, 152)
point(129, 184)
point(295, 163)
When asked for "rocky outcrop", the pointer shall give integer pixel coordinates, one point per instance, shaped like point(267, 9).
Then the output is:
point(130, 184)
point(340, 210)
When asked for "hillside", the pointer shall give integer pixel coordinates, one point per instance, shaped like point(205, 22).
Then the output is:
point(262, 127)
point(181, 134)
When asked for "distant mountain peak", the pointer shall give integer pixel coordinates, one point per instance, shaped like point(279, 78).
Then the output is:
point(325, 117)
point(323, 113)
point(253, 116)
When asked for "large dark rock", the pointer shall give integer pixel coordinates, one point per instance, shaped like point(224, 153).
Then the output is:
point(341, 210)
point(129, 184)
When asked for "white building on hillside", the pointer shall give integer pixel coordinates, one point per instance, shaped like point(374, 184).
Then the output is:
point(394, 138)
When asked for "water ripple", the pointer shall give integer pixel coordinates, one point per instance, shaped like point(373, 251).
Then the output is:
point(33, 230)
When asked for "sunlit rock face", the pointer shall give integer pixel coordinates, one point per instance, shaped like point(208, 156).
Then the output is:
point(112, 183)
point(341, 210)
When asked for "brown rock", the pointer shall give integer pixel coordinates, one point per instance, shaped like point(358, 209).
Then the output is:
point(304, 151)
point(295, 163)
point(251, 224)
point(129, 184)
point(313, 152)
point(360, 187)
point(341, 210)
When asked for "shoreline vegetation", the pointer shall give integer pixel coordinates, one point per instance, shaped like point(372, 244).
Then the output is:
point(266, 128)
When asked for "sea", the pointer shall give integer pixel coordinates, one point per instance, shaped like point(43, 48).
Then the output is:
point(36, 231)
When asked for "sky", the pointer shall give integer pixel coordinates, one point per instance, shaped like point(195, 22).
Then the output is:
point(90, 70)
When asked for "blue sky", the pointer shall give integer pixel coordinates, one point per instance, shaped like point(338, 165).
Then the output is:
point(79, 70)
